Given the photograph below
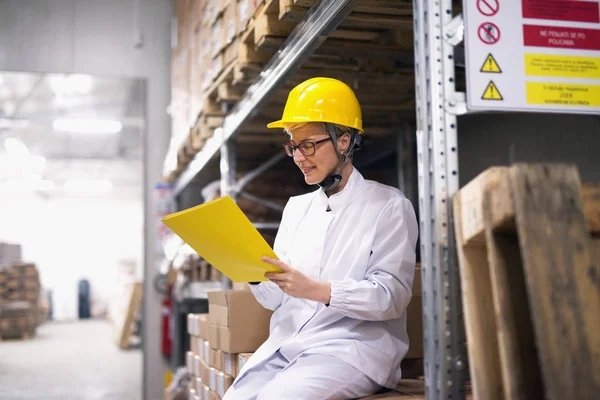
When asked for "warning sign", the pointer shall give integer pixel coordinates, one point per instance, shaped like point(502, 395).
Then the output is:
point(490, 65)
point(563, 94)
point(560, 10)
point(562, 66)
point(561, 37)
point(491, 92)
point(488, 33)
point(489, 8)
point(532, 55)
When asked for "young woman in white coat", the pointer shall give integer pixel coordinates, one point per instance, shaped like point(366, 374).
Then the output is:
point(347, 255)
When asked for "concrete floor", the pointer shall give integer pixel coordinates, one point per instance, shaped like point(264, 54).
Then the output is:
point(70, 361)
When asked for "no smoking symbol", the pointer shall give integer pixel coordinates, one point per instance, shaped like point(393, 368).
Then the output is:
point(488, 33)
point(489, 8)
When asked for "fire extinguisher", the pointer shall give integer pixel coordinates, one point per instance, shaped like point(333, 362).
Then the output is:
point(166, 323)
point(162, 286)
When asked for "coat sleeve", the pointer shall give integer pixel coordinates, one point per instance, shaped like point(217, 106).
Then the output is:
point(386, 290)
point(268, 294)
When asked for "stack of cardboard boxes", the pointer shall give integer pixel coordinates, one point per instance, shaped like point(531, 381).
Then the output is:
point(222, 341)
point(236, 325)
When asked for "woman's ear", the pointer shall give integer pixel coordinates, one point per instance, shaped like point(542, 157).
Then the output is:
point(344, 143)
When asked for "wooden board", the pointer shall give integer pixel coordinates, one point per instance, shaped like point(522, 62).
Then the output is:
point(518, 356)
point(562, 283)
point(590, 193)
point(478, 304)
point(124, 325)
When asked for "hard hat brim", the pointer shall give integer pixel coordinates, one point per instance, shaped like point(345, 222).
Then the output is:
point(281, 124)
point(276, 124)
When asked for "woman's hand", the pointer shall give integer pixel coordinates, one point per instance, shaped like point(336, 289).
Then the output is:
point(296, 284)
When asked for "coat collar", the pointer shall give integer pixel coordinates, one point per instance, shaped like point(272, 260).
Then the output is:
point(338, 200)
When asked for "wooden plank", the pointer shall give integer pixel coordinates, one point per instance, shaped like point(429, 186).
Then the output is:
point(471, 203)
point(480, 323)
point(227, 92)
point(267, 24)
point(562, 283)
point(518, 356)
point(377, 21)
point(131, 303)
point(590, 193)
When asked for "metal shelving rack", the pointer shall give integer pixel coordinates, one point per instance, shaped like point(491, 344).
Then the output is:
point(435, 33)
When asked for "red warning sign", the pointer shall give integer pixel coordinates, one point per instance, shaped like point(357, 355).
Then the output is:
point(561, 10)
point(561, 37)
point(489, 8)
point(488, 33)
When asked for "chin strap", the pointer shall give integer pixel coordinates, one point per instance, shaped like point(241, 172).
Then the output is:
point(333, 180)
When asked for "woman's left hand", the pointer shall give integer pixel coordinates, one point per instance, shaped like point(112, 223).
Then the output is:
point(296, 284)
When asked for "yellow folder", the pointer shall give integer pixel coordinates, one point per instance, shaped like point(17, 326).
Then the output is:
point(220, 232)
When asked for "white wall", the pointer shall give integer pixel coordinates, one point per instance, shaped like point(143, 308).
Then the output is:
point(75, 238)
point(98, 37)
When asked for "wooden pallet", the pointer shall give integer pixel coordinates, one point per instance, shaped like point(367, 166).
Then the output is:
point(529, 263)
point(372, 51)
point(19, 337)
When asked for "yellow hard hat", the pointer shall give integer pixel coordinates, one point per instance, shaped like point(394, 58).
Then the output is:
point(321, 100)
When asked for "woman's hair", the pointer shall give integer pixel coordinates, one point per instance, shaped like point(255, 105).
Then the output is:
point(339, 129)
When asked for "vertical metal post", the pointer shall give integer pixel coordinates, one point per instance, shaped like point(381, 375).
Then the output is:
point(228, 182)
point(437, 159)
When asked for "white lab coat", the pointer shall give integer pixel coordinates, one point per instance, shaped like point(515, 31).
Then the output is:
point(365, 247)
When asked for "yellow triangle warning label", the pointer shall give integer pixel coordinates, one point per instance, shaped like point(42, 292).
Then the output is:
point(490, 65)
point(491, 92)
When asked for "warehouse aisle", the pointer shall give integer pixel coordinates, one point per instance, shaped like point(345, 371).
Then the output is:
point(69, 361)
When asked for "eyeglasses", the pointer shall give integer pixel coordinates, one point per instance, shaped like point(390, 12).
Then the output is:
point(306, 148)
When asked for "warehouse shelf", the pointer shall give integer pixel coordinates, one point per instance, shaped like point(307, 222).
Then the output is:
point(445, 353)
point(321, 20)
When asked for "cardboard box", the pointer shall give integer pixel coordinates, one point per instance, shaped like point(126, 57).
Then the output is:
point(224, 381)
point(205, 392)
point(242, 358)
point(230, 362)
point(213, 396)
point(238, 323)
point(206, 353)
point(204, 373)
point(414, 319)
point(189, 362)
point(216, 359)
point(242, 15)
point(212, 379)
point(194, 345)
point(197, 361)
point(217, 36)
point(191, 324)
point(198, 382)
point(202, 325)
point(211, 12)
point(230, 22)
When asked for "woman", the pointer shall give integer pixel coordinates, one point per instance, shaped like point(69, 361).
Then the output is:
point(347, 255)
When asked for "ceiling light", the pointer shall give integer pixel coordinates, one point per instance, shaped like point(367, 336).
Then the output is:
point(14, 123)
point(87, 125)
point(88, 186)
point(29, 185)
point(16, 148)
point(72, 84)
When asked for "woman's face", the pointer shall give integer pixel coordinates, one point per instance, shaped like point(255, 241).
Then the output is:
point(323, 162)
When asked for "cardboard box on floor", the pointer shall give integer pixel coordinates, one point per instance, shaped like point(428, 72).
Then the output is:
point(414, 318)
point(237, 322)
